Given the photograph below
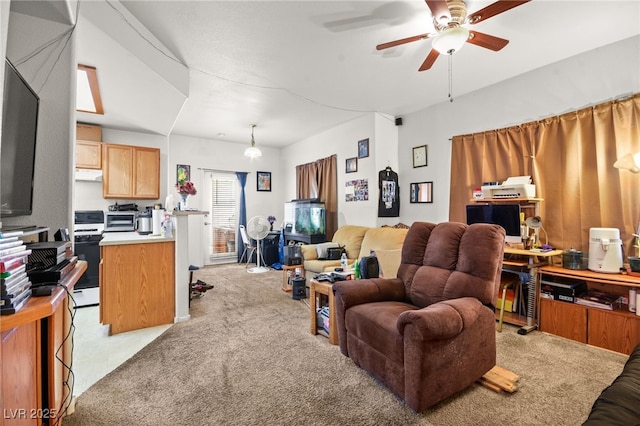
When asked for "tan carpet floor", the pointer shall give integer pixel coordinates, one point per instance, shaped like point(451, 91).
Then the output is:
point(247, 358)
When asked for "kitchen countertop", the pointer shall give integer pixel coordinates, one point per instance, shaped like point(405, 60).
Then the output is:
point(119, 238)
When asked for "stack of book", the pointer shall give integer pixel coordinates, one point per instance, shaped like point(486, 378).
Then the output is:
point(597, 299)
point(510, 302)
point(15, 286)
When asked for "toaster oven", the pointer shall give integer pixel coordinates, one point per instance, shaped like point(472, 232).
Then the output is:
point(120, 221)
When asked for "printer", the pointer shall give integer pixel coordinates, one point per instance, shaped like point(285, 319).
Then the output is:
point(513, 187)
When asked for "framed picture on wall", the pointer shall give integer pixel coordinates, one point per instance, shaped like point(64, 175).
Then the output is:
point(183, 173)
point(351, 165)
point(421, 192)
point(264, 181)
point(419, 156)
point(363, 148)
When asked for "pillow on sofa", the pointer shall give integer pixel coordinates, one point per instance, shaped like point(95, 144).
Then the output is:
point(389, 261)
point(382, 239)
point(321, 249)
point(350, 237)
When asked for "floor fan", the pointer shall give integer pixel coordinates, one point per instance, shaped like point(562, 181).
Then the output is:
point(258, 228)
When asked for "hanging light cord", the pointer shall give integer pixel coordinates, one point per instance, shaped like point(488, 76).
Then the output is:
point(450, 75)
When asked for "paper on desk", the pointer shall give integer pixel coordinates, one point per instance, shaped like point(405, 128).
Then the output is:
point(517, 180)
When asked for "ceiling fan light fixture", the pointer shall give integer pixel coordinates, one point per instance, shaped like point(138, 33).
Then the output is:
point(450, 40)
point(253, 151)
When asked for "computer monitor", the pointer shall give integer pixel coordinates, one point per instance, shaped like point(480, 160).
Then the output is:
point(505, 215)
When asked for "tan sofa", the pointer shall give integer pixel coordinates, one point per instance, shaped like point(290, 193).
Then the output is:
point(359, 241)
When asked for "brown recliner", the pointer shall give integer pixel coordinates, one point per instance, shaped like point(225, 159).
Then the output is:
point(430, 332)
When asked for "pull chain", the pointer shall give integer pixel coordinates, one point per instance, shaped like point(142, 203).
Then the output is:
point(450, 75)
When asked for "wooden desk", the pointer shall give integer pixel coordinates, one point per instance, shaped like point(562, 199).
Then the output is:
point(318, 288)
point(32, 340)
point(532, 260)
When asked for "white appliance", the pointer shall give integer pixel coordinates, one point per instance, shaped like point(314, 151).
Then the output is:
point(605, 250)
point(513, 187)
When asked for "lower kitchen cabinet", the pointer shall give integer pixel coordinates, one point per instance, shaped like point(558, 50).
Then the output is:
point(137, 285)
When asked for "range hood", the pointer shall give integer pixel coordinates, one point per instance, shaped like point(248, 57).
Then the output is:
point(89, 175)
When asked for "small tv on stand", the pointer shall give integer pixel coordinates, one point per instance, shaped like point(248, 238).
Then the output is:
point(505, 215)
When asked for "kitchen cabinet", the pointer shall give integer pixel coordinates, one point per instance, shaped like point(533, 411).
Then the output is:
point(617, 330)
point(130, 172)
point(137, 281)
point(88, 155)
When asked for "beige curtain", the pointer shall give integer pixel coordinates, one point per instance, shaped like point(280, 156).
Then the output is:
point(570, 159)
point(320, 180)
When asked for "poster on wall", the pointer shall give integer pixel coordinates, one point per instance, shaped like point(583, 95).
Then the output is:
point(356, 190)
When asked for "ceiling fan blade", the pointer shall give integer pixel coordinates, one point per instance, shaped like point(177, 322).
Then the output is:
point(487, 41)
point(439, 9)
point(494, 9)
point(431, 58)
point(402, 41)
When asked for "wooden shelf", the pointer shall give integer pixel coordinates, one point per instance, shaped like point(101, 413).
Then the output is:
point(506, 200)
point(617, 330)
point(512, 318)
point(599, 277)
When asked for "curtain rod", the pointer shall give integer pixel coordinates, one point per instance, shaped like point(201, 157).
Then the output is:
point(216, 170)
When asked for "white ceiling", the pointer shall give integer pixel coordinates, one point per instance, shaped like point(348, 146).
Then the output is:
point(210, 69)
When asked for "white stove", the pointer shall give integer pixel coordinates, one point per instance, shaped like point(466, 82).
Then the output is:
point(87, 232)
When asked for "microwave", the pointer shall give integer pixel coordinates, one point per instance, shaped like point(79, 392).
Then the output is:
point(120, 221)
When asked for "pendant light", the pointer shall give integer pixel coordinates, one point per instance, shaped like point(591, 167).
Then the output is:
point(252, 151)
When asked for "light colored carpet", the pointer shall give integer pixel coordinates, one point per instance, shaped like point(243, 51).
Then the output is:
point(247, 358)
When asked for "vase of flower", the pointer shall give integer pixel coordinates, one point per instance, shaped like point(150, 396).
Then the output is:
point(271, 219)
point(183, 202)
point(185, 188)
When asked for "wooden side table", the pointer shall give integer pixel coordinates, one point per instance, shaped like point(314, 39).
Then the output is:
point(288, 272)
point(317, 290)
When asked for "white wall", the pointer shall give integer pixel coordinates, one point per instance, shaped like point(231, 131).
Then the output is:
point(343, 141)
point(51, 73)
point(224, 156)
point(587, 79)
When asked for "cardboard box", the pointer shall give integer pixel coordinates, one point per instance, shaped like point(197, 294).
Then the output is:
point(564, 289)
point(88, 132)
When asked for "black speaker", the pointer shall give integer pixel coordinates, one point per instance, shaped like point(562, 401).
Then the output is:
point(398, 121)
point(299, 290)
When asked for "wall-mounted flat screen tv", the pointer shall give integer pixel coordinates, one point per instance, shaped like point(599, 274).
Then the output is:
point(18, 144)
point(505, 215)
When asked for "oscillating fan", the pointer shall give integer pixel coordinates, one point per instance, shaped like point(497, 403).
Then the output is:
point(258, 228)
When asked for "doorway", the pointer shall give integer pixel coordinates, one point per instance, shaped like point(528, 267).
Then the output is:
point(221, 189)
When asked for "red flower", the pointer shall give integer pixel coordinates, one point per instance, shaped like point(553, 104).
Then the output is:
point(186, 187)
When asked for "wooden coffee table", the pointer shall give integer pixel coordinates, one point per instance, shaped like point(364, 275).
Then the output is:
point(318, 289)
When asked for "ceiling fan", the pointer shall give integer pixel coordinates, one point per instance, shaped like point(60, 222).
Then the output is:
point(450, 19)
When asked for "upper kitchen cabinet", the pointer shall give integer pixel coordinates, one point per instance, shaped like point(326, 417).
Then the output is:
point(88, 155)
point(130, 172)
point(88, 146)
